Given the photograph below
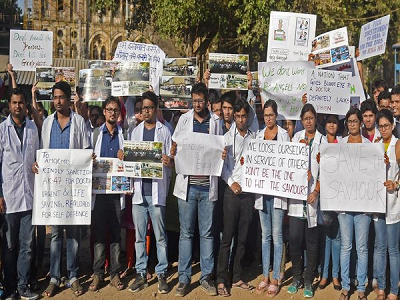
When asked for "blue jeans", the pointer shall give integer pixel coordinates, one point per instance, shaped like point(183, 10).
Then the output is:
point(387, 238)
point(271, 220)
point(331, 246)
point(358, 223)
point(17, 249)
point(140, 214)
point(197, 206)
point(73, 239)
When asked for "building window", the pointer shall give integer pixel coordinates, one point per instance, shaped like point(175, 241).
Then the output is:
point(60, 5)
point(60, 50)
point(95, 53)
point(60, 33)
point(103, 53)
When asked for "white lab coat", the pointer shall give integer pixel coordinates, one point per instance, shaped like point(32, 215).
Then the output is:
point(279, 202)
point(185, 124)
point(97, 151)
point(79, 136)
point(296, 206)
point(18, 180)
point(159, 186)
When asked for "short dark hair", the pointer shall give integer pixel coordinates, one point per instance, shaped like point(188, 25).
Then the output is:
point(368, 105)
point(241, 104)
point(150, 96)
point(383, 95)
point(213, 96)
point(354, 111)
point(112, 99)
point(229, 97)
point(64, 87)
point(395, 90)
point(271, 103)
point(380, 83)
point(18, 92)
point(200, 88)
point(308, 107)
point(385, 113)
point(95, 107)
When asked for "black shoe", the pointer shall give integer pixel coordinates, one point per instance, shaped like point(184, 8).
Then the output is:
point(26, 294)
point(209, 286)
point(139, 284)
point(162, 284)
point(181, 290)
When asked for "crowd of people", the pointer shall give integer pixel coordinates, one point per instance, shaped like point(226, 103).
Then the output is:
point(217, 220)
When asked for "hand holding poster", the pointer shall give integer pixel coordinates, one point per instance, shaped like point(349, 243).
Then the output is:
point(228, 71)
point(63, 187)
point(329, 91)
point(373, 38)
point(290, 35)
point(198, 153)
point(275, 168)
point(30, 49)
point(331, 48)
point(108, 177)
point(143, 159)
point(286, 83)
point(352, 177)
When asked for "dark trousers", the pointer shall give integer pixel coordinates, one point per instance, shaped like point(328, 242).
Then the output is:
point(238, 213)
point(298, 234)
point(106, 218)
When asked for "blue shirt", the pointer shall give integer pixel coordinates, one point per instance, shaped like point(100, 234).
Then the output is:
point(109, 144)
point(59, 138)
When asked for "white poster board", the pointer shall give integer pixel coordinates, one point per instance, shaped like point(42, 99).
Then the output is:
point(286, 83)
point(373, 38)
point(329, 91)
point(331, 48)
point(275, 168)
point(30, 49)
point(198, 153)
point(139, 52)
point(352, 177)
point(63, 187)
point(290, 36)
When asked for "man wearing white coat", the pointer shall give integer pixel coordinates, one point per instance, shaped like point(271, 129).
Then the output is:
point(19, 141)
point(149, 197)
point(64, 129)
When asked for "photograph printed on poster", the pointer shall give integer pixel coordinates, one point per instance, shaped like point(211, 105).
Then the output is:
point(95, 84)
point(302, 31)
point(176, 103)
point(281, 27)
point(46, 77)
point(176, 86)
point(221, 63)
point(180, 67)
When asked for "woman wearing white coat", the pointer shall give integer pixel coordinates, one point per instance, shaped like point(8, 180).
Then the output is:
point(303, 215)
point(271, 210)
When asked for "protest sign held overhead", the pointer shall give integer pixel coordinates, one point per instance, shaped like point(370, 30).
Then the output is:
point(198, 153)
point(46, 77)
point(331, 48)
point(275, 168)
point(352, 177)
point(329, 91)
point(373, 38)
point(130, 79)
point(29, 49)
point(290, 35)
point(228, 71)
point(63, 187)
point(286, 83)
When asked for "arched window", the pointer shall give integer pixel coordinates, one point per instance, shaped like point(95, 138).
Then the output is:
point(95, 54)
point(103, 53)
point(60, 50)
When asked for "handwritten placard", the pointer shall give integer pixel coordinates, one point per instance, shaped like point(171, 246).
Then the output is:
point(329, 91)
point(139, 52)
point(275, 168)
point(198, 153)
point(30, 49)
point(286, 83)
point(352, 177)
point(63, 187)
point(290, 36)
point(373, 38)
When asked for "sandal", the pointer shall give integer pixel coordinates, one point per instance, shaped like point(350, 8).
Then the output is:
point(262, 286)
point(273, 290)
point(344, 296)
point(116, 282)
point(76, 288)
point(96, 282)
point(242, 285)
point(127, 272)
point(51, 290)
point(222, 291)
point(362, 298)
